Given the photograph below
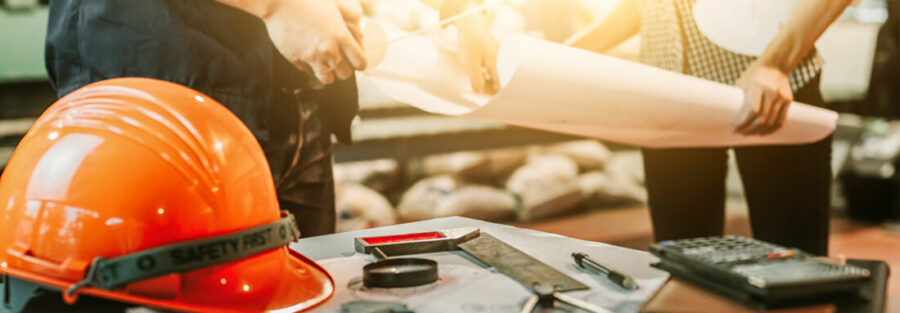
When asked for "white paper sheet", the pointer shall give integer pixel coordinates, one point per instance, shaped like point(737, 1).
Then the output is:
point(464, 286)
point(557, 88)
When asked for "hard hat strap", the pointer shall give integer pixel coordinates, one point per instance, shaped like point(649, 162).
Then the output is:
point(187, 256)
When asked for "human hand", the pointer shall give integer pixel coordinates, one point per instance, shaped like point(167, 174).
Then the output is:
point(317, 38)
point(767, 97)
point(477, 52)
point(352, 12)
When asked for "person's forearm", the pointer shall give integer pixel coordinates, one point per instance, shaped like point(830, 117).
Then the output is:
point(259, 8)
point(604, 34)
point(475, 24)
point(449, 8)
point(799, 35)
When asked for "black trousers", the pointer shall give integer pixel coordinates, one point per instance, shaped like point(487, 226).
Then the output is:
point(299, 155)
point(787, 189)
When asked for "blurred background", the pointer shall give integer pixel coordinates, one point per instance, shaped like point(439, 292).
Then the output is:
point(408, 165)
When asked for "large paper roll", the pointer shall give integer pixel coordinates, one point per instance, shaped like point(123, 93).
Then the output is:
point(557, 88)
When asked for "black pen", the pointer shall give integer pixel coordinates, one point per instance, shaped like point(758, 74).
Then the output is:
point(621, 279)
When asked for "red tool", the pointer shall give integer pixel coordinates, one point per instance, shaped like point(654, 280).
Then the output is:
point(406, 244)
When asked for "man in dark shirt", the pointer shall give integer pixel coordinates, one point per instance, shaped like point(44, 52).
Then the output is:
point(285, 67)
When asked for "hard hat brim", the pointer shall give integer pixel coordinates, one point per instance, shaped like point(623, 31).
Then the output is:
point(298, 285)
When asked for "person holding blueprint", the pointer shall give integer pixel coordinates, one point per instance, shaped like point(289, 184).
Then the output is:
point(766, 48)
point(478, 32)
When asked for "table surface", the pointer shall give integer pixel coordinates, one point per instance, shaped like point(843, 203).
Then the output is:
point(466, 285)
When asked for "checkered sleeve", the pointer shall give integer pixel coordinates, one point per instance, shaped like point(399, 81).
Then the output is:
point(671, 40)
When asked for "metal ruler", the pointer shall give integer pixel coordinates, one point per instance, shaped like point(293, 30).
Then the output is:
point(519, 266)
point(508, 260)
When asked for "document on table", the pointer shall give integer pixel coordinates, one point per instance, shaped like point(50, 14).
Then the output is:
point(556, 88)
point(466, 287)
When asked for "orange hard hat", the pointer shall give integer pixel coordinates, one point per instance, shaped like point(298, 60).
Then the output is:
point(147, 192)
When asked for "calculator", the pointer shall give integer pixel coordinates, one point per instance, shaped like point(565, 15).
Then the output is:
point(758, 273)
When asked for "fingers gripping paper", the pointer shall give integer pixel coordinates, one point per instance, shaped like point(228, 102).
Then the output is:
point(557, 88)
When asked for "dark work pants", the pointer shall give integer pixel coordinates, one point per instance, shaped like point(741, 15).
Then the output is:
point(787, 189)
point(299, 155)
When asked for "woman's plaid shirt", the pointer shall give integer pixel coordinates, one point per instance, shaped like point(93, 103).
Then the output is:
point(670, 39)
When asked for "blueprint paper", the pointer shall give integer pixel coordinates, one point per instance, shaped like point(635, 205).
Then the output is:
point(556, 88)
point(465, 286)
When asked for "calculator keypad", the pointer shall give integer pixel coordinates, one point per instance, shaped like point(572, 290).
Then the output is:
point(760, 262)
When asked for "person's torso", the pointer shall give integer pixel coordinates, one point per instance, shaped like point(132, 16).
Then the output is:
point(671, 39)
point(214, 48)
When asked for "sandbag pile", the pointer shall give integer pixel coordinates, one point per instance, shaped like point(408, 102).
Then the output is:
point(445, 195)
point(380, 175)
point(360, 207)
point(547, 185)
point(524, 184)
point(486, 167)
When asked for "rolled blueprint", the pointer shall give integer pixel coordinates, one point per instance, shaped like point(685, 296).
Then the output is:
point(557, 88)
